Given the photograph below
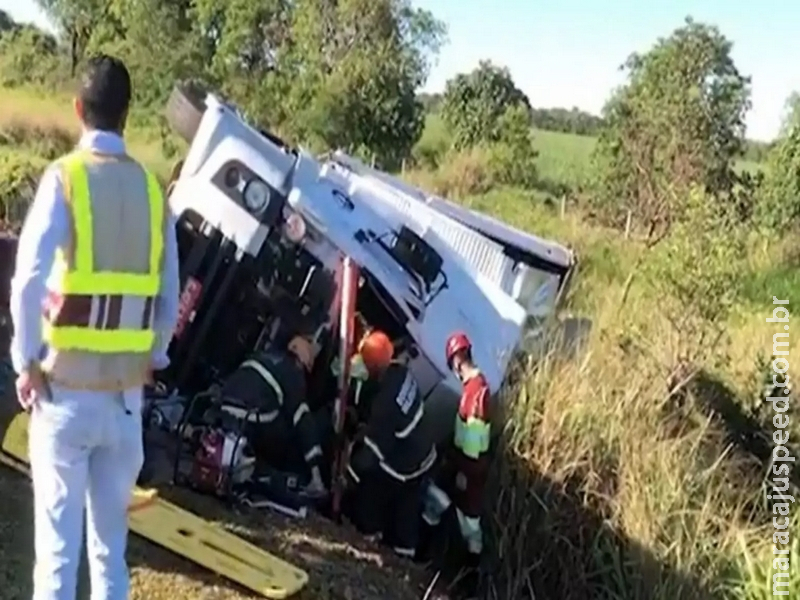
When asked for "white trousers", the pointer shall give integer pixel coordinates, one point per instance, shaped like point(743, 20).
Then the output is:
point(85, 456)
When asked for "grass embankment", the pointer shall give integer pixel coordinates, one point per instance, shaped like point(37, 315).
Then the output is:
point(607, 485)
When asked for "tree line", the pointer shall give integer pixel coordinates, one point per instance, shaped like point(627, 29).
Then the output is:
point(346, 74)
point(564, 120)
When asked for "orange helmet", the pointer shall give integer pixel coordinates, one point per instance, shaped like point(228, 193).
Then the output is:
point(377, 350)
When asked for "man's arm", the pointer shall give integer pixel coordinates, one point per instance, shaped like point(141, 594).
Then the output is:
point(46, 228)
point(166, 316)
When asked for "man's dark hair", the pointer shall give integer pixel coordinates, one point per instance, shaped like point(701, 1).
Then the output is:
point(105, 92)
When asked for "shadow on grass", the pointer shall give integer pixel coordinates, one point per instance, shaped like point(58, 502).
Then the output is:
point(549, 542)
point(749, 432)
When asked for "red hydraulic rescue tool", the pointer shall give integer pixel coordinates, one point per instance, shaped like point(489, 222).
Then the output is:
point(348, 286)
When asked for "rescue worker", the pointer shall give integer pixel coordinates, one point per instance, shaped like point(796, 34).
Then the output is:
point(94, 302)
point(396, 450)
point(275, 384)
point(463, 476)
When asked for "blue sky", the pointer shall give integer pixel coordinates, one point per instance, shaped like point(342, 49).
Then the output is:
point(567, 52)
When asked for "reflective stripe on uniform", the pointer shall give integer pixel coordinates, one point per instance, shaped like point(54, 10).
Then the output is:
point(351, 472)
point(436, 502)
point(251, 416)
point(301, 411)
point(83, 279)
point(98, 310)
point(98, 340)
point(374, 447)
point(425, 466)
point(408, 429)
point(268, 378)
point(472, 436)
point(315, 452)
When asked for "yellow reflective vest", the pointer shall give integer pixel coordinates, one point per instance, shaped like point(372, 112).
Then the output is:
point(88, 307)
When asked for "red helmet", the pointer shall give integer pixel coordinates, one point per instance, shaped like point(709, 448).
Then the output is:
point(457, 342)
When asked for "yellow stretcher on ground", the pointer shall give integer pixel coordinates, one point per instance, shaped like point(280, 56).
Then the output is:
point(188, 535)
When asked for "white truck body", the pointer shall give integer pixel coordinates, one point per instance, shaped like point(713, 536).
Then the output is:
point(346, 208)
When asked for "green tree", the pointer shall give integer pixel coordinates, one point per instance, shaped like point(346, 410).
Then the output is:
point(778, 207)
point(77, 21)
point(512, 158)
point(240, 45)
point(325, 73)
point(157, 41)
point(677, 122)
point(28, 56)
point(572, 120)
point(355, 67)
point(474, 103)
point(6, 22)
point(791, 114)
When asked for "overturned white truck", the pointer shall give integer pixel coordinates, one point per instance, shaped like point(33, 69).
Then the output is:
point(263, 227)
point(263, 231)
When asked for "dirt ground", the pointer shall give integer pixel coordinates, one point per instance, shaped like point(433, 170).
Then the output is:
point(341, 565)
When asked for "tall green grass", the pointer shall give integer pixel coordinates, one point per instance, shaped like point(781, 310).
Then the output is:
point(29, 110)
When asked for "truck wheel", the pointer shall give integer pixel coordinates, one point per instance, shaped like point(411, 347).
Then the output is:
point(185, 109)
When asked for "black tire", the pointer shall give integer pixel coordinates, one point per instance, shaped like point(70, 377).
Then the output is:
point(185, 109)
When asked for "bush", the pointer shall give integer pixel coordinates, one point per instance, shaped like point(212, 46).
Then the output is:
point(19, 176)
point(48, 141)
point(507, 161)
point(676, 123)
point(778, 205)
point(432, 147)
point(461, 174)
point(512, 158)
point(29, 56)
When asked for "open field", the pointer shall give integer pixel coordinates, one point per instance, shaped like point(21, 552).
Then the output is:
point(564, 159)
point(608, 484)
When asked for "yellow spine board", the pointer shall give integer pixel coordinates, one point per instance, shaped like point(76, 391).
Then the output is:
point(190, 536)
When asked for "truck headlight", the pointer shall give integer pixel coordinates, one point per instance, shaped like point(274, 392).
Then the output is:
point(256, 195)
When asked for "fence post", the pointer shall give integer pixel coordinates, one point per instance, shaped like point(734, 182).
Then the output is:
point(563, 206)
point(628, 222)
